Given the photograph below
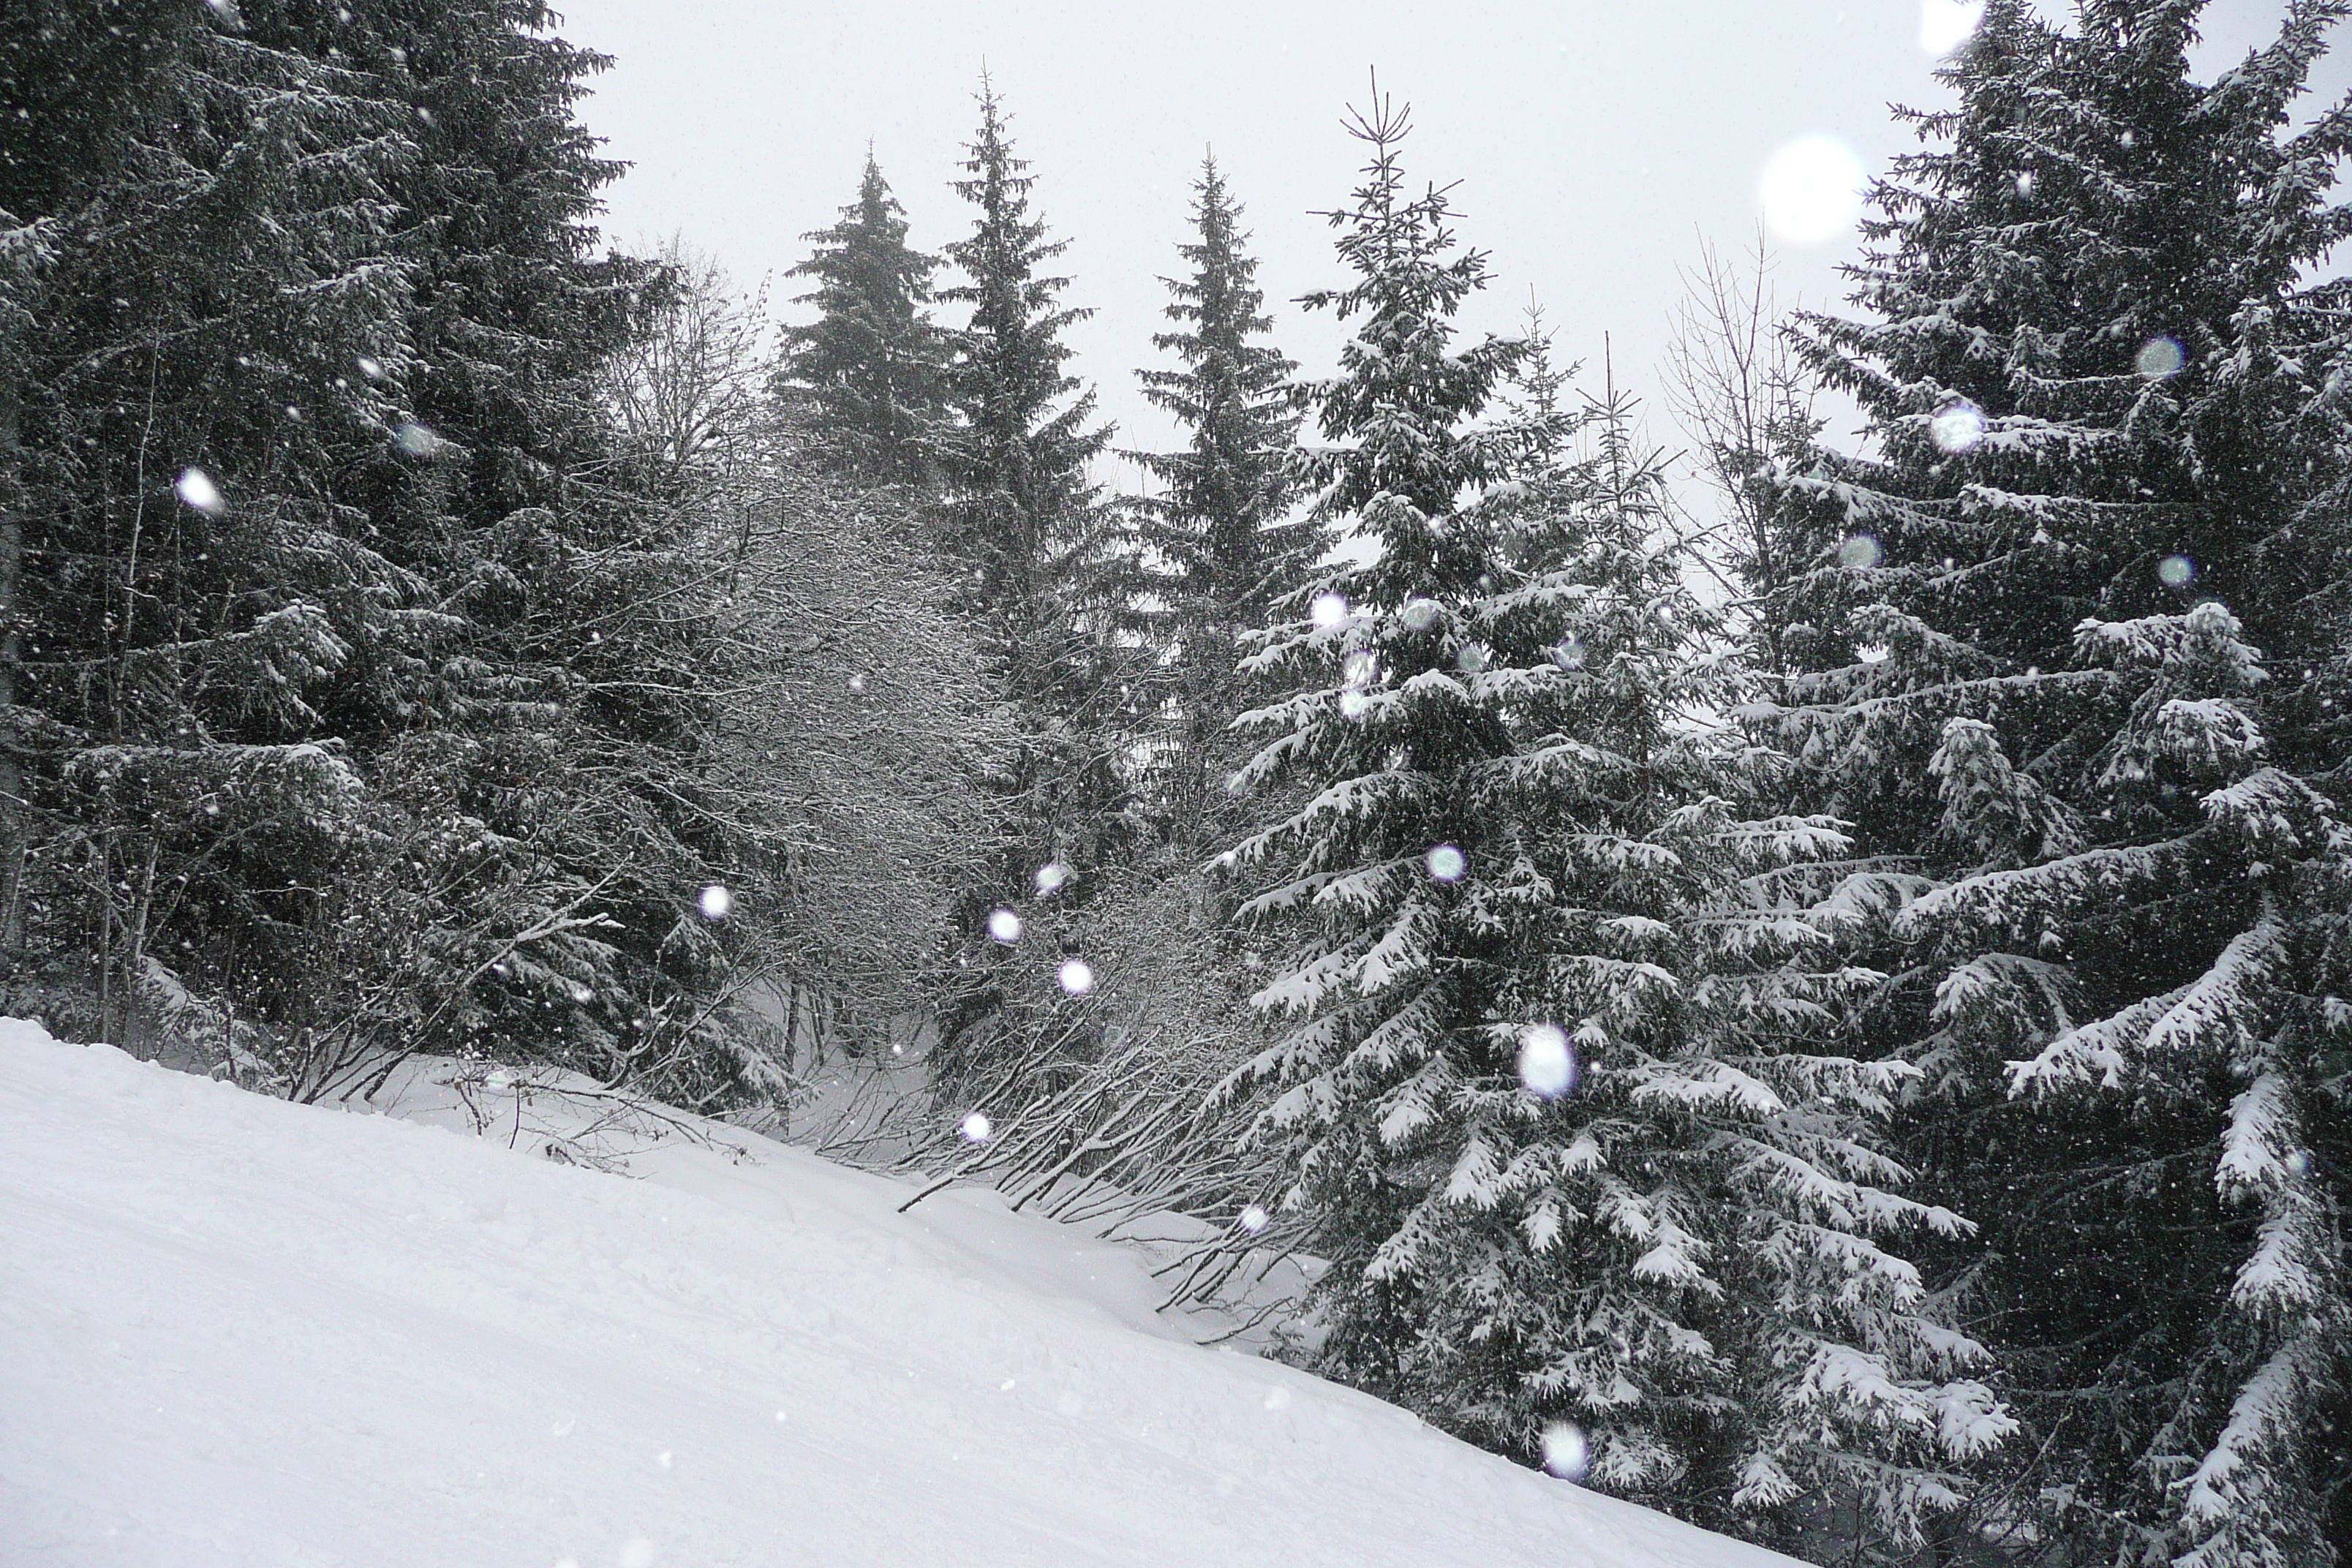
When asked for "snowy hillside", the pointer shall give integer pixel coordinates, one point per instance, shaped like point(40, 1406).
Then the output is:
point(238, 1332)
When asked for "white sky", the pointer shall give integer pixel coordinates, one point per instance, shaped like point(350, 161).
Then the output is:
point(1593, 140)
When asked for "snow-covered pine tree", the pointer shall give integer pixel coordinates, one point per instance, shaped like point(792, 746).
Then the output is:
point(2072, 647)
point(570, 716)
point(1172, 1014)
point(1561, 1102)
point(325, 555)
point(212, 246)
point(1051, 572)
point(1050, 577)
point(872, 359)
point(1218, 529)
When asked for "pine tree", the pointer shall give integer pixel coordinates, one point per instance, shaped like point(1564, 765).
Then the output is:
point(1025, 512)
point(354, 721)
point(2066, 659)
point(1520, 859)
point(208, 243)
point(1218, 528)
point(873, 357)
point(1050, 577)
point(1172, 1015)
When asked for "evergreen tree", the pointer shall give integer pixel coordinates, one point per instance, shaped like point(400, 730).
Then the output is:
point(1562, 1105)
point(1050, 576)
point(1218, 526)
point(561, 717)
point(2073, 650)
point(1024, 513)
point(212, 246)
point(348, 712)
point(872, 357)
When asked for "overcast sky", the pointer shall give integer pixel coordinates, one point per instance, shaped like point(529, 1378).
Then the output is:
point(1593, 140)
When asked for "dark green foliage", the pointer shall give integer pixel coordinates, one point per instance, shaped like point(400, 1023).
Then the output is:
point(366, 732)
point(1049, 577)
point(872, 359)
point(2070, 650)
point(1218, 528)
point(1519, 843)
point(1023, 513)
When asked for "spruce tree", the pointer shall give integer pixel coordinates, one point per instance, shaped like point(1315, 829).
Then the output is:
point(2071, 654)
point(872, 358)
point(354, 725)
point(1024, 514)
point(1561, 1101)
point(1218, 526)
point(556, 716)
point(1049, 577)
point(209, 245)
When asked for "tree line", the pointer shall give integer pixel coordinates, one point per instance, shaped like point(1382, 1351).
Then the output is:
point(1829, 1017)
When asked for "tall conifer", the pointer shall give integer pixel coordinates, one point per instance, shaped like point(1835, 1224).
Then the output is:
point(349, 713)
point(1217, 525)
point(1560, 1100)
point(1048, 576)
point(2069, 655)
point(873, 357)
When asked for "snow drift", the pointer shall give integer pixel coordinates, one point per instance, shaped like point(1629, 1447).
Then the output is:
point(235, 1330)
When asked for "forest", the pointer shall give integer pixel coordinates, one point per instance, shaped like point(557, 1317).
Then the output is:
point(1806, 988)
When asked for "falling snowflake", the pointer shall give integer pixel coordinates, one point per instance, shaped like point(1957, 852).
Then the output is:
point(1958, 426)
point(1946, 25)
point(1447, 863)
point(1419, 614)
point(1050, 876)
point(976, 1128)
point(1254, 1219)
point(2175, 571)
point(1860, 552)
point(1566, 1454)
point(715, 903)
point(1005, 926)
point(415, 440)
point(2160, 357)
point(1811, 191)
point(1569, 653)
point(1328, 610)
point(195, 487)
point(1547, 1066)
point(1075, 977)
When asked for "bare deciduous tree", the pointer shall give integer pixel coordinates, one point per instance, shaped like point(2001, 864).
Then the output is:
point(1746, 403)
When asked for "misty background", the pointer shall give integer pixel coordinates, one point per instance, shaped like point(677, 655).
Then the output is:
point(1594, 144)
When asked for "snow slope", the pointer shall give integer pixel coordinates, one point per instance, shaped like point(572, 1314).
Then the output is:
point(235, 1330)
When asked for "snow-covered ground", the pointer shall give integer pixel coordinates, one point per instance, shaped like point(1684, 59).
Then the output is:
point(235, 1330)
